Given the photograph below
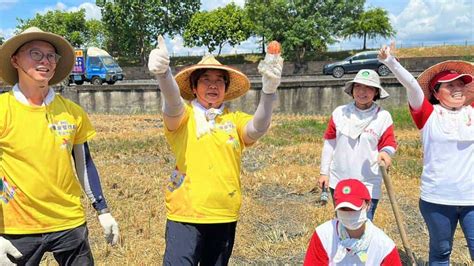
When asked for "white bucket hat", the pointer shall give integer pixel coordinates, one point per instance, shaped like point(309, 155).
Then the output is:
point(366, 77)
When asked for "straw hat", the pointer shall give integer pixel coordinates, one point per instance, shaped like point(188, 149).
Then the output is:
point(367, 77)
point(10, 74)
point(457, 69)
point(239, 83)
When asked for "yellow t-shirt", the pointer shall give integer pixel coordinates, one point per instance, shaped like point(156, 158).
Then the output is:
point(205, 186)
point(39, 190)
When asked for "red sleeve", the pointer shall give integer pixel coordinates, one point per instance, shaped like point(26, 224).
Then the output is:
point(330, 130)
point(392, 259)
point(421, 115)
point(316, 254)
point(387, 139)
point(472, 104)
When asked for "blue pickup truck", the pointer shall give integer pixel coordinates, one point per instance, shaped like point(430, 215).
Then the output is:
point(96, 66)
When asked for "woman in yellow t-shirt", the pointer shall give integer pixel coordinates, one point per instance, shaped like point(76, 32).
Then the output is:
point(203, 195)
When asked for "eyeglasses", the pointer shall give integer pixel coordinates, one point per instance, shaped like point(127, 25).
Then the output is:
point(217, 82)
point(36, 55)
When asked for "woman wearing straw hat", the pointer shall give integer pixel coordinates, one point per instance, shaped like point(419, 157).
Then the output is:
point(39, 131)
point(436, 103)
point(358, 136)
point(203, 195)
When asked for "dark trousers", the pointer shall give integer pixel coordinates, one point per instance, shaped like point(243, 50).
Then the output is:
point(69, 247)
point(203, 244)
point(442, 221)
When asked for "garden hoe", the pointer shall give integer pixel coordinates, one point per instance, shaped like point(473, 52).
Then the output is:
point(396, 212)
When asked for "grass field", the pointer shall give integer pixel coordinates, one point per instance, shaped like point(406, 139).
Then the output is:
point(280, 207)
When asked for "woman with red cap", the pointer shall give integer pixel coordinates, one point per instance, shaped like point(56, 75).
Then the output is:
point(438, 106)
point(351, 238)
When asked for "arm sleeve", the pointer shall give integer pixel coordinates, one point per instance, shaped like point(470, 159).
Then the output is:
point(387, 141)
point(260, 122)
point(414, 91)
point(88, 176)
point(326, 156)
point(316, 254)
point(172, 102)
point(392, 259)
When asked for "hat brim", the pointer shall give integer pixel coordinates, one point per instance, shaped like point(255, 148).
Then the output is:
point(348, 87)
point(354, 204)
point(10, 74)
point(239, 83)
point(461, 67)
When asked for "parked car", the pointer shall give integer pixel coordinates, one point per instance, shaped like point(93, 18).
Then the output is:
point(352, 64)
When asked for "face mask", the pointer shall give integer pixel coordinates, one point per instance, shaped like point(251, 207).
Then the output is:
point(352, 220)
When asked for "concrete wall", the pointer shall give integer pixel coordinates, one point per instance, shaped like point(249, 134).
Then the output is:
point(294, 96)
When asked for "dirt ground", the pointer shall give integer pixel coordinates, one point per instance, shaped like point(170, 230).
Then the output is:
point(280, 207)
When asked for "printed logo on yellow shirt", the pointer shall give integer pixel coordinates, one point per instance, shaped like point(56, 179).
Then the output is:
point(176, 180)
point(234, 142)
point(7, 192)
point(64, 130)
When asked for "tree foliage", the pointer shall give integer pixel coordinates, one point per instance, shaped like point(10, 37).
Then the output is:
point(70, 25)
point(133, 25)
point(370, 24)
point(215, 28)
point(302, 25)
point(2, 39)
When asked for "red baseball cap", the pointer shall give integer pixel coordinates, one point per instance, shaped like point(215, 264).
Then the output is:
point(448, 76)
point(351, 193)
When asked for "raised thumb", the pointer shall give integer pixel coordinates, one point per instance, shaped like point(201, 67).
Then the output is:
point(161, 43)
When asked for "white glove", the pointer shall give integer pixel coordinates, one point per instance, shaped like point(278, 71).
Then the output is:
point(111, 230)
point(6, 247)
point(270, 68)
point(159, 61)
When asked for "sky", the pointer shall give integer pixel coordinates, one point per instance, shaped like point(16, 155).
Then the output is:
point(417, 22)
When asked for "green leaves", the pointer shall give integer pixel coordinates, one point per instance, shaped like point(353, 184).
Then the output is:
point(301, 25)
point(215, 28)
point(134, 25)
point(70, 25)
point(370, 24)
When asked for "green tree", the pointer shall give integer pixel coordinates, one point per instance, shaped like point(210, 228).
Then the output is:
point(370, 24)
point(70, 25)
point(133, 25)
point(2, 39)
point(96, 33)
point(302, 25)
point(215, 28)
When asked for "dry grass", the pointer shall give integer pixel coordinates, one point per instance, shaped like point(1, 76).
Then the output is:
point(437, 51)
point(280, 207)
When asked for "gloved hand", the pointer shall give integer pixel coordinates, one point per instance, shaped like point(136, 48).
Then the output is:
point(159, 61)
point(111, 230)
point(387, 51)
point(270, 68)
point(6, 247)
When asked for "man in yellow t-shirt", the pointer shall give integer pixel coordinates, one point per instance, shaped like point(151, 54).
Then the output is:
point(203, 195)
point(42, 135)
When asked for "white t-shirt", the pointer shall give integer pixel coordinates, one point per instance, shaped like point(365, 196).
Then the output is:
point(357, 158)
point(448, 164)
